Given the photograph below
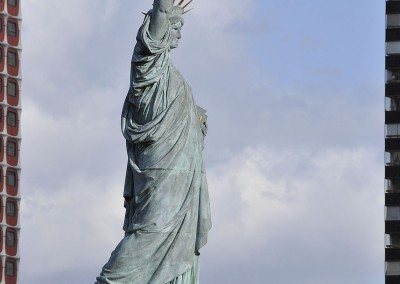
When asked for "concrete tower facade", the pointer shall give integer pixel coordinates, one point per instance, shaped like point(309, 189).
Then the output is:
point(10, 138)
point(392, 143)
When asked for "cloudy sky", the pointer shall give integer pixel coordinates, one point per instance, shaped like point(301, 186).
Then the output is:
point(294, 93)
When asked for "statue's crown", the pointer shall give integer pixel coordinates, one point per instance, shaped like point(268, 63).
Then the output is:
point(179, 10)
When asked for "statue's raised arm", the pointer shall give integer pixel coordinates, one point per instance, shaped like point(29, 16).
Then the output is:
point(159, 18)
point(163, 12)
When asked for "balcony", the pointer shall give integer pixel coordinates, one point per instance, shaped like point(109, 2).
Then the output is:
point(393, 34)
point(392, 199)
point(393, 47)
point(393, 116)
point(392, 144)
point(392, 7)
point(392, 227)
point(392, 62)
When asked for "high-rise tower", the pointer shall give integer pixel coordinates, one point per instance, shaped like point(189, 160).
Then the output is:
point(10, 113)
point(392, 143)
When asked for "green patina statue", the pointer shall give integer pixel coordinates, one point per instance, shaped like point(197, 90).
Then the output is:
point(166, 197)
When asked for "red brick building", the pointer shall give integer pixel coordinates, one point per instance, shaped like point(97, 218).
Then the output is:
point(10, 113)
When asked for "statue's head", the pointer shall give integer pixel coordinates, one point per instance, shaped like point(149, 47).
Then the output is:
point(176, 33)
point(176, 20)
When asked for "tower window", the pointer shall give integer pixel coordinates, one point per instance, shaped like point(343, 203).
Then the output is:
point(11, 88)
point(10, 238)
point(12, 3)
point(11, 178)
point(12, 28)
point(11, 118)
point(10, 268)
point(10, 209)
point(11, 148)
point(12, 58)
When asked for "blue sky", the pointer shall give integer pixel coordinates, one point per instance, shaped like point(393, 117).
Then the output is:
point(294, 93)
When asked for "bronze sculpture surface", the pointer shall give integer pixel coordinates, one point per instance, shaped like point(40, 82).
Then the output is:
point(166, 197)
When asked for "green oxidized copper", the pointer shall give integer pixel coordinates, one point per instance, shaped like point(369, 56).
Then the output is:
point(166, 197)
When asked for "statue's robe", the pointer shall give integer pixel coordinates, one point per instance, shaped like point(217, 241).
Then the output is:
point(167, 205)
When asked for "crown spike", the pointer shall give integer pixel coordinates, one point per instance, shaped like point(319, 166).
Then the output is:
point(187, 11)
point(181, 2)
point(187, 4)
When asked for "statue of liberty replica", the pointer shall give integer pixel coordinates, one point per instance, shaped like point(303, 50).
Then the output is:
point(166, 197)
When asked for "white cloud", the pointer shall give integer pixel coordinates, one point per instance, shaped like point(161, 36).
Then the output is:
point(320, 208)
point(217, 16)
point(69, 145)
point(58, 26)
point(73, 227)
